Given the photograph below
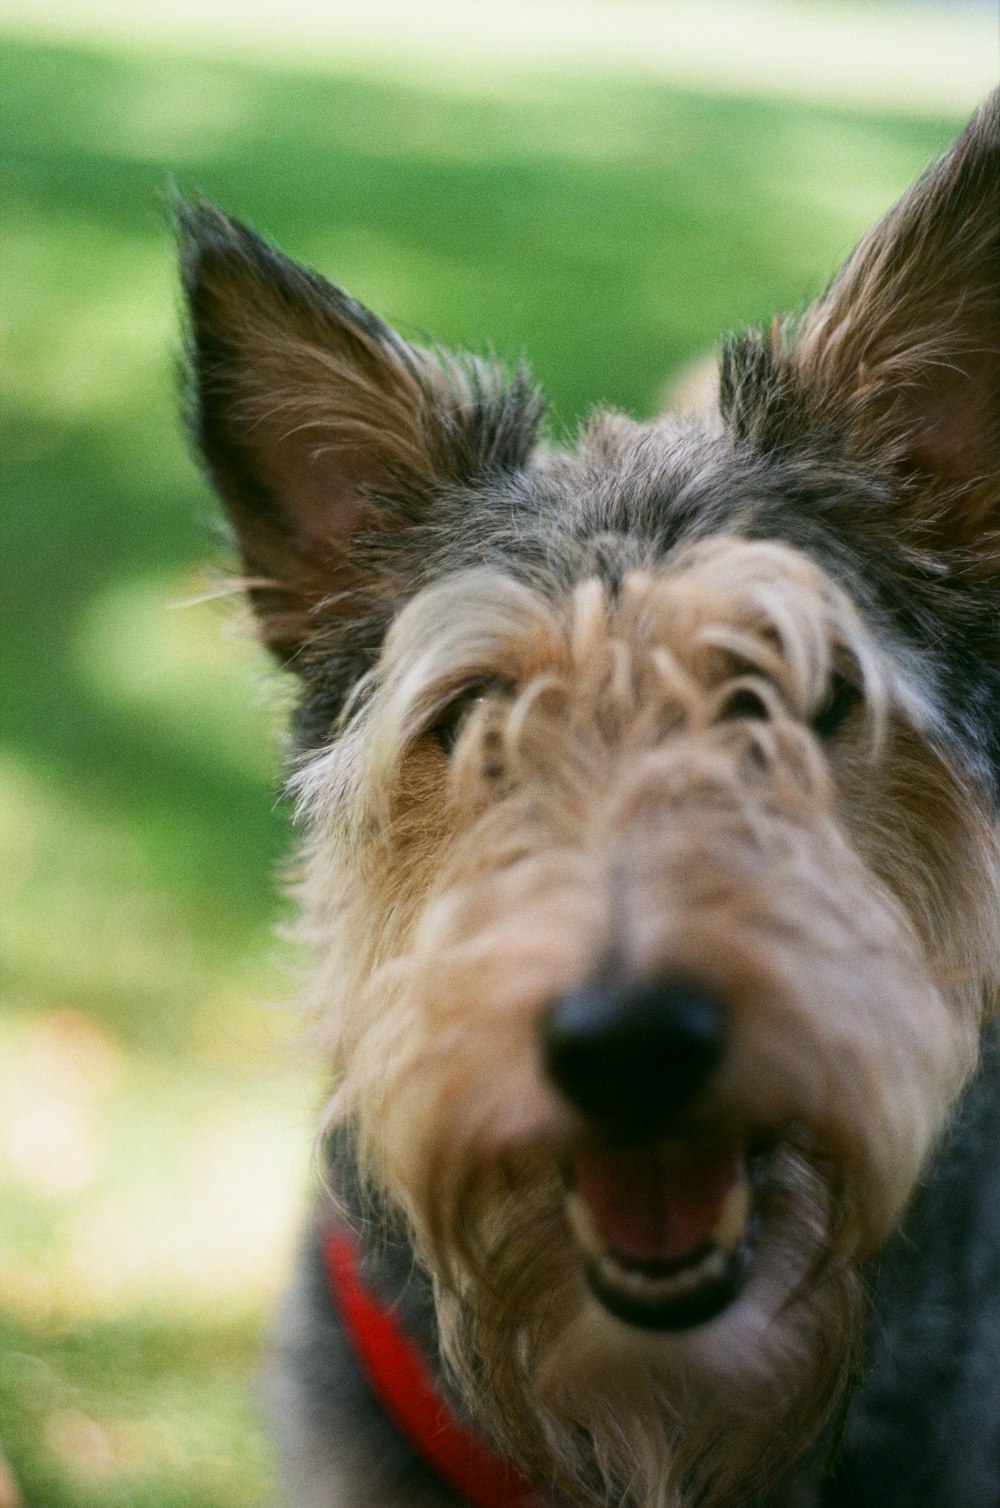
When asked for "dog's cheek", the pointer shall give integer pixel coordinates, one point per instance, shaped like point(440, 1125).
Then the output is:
point(418, 833)
point(920, 828)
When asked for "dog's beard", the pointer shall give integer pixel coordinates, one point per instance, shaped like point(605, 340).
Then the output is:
point(842, 1059)
point(605, 1411)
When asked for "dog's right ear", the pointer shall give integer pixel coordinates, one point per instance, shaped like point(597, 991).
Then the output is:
point(319, 424)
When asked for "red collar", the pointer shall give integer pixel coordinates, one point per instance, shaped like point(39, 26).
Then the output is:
point(403, 1384)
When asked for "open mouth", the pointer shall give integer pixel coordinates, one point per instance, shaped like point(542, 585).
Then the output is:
point(666, 1227)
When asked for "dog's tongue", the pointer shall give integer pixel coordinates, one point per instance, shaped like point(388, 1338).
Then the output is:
point(657, 1202)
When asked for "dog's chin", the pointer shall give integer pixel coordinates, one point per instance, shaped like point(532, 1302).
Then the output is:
point(666, 1229)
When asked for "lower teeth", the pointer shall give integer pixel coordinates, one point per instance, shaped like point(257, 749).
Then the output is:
point(650, 1288)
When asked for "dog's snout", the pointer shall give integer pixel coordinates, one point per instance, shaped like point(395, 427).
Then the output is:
point(632, 1053)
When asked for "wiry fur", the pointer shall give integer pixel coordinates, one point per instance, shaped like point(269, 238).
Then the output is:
point(713, 697)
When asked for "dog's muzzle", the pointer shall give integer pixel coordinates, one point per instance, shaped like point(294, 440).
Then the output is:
point(664, 1219)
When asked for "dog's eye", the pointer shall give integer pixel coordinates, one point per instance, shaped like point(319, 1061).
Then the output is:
point(448, 724)
point(840, 701)
point(744, 702)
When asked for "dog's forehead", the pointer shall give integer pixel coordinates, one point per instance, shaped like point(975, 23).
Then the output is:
point(643, 498)
point(634, 495)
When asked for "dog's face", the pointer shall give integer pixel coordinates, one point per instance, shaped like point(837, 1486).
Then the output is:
point(650, 797)
point(627, 852)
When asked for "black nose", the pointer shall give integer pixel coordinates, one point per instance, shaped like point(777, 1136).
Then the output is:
point(631, 1053)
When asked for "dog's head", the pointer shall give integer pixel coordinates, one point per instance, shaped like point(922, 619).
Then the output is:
point(650, 794)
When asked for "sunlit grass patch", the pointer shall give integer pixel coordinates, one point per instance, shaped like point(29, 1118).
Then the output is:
point(179, 652)
point(98, 917)
point(139, 1410)
point(148, 1210)
point(98, 351)
point(136, 1178)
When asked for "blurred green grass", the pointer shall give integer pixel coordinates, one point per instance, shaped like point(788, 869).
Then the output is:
point(153, 1137)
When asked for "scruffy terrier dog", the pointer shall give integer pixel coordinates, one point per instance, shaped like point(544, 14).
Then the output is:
point(652, 871)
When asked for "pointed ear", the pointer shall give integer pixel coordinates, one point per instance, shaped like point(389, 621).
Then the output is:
point(905, 346)
point(319, 424)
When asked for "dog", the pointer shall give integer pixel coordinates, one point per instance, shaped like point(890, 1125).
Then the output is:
point(650, 796)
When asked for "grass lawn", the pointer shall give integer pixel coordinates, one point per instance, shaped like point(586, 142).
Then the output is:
point(154, 1130)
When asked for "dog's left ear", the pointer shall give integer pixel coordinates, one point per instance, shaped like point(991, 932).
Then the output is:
point(904, 348)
